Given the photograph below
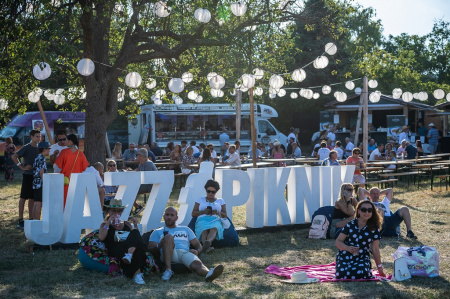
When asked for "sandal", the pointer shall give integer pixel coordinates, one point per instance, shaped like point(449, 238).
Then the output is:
point(206, 245)
point(209, 250)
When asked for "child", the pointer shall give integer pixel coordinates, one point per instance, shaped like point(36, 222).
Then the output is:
point(39, 168)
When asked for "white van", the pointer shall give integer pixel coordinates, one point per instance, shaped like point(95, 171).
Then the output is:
point(202, 123)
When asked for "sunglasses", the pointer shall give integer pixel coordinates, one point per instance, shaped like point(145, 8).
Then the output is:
point(364, 210)
point(211, 191)
point(62, 139)
point(112, 165)
point(351, 190)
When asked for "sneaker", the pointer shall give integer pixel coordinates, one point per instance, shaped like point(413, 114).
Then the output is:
point(127, 258)
point(138, 210)
point(167, 275)
point(20, 224)
point(214, 273)
point(139, 278)
point(411, 235)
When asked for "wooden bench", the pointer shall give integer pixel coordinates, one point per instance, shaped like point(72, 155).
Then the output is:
point(181, 177)
point(400, 174)
point(380, 182)
point(445, 178)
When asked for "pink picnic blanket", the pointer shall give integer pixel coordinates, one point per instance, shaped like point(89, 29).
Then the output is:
point(325, 273)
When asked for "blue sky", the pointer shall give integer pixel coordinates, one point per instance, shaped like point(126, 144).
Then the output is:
point(409, 16)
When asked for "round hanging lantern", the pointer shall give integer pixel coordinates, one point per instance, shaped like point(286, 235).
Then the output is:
point(407, 96)
point(281, 93)
point(215, 92)
point(133, 80)
point(298, 75)
point(160, 93)
point(276, 81)
point(273, 90)
point(302, 92)
point(3, 104)
point(48, 94)
point(439, 94)
point(176, 85)
point(38, 91)
point(258, 74)
point(272, 95)
point(238, 8)
point(373, 83)
point(326, 89)
point(177, 100)
point(349, 85)
point(42, 71)
point(140, 102)
point(330, 49)
point(397, 93)
point(199, 99)
point(162, 10)
point(448, 97)
point(294, 95)
point(33, 97)
point(158, 102)
point(217, 82)
point(59, 91)
point(374, 97)
point(341, 96)
point(151, 83)
point(120, 94)
point(85, 67)
point(258, 91)
point(316, 95)
point(134, 94)
point(320, 62)
point(423, 96)
point(211, 75)
point(59, 99)
point(243, 89)
point(221, 93)
point(187, 77)
point(202, 15)
point(358, 90)
point(416, 95)
point(248, 81)
point(309, 94)
point(192, 95)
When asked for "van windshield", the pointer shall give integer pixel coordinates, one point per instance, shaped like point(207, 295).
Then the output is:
point(9, 131)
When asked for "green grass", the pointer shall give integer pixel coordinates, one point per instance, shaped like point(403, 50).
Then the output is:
point(58, 274)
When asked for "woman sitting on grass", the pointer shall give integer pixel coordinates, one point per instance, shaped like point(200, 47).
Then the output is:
point(208, 211)
point(344, 209)
point(130, 252)
point(358, 238)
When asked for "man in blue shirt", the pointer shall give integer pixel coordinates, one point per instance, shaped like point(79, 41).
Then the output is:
point(433, 138)
point(174, 242)
point(223, 138)
point(130, 155)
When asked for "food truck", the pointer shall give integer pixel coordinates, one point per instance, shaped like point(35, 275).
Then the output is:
point(202, 123)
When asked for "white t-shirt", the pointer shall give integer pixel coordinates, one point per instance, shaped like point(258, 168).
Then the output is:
point(98, 178)
point(340, 152)
point(216, 205)
point(384, 207)
point(403, 136)
point(234, 159)
point(213, 154)
point(332, 136)
point(374, 153)
point(349, 147)
point(196, 150)
point(53, 148)
point(323, 153)
point(291, 135)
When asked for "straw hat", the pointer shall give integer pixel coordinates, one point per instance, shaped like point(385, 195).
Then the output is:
point(300, 277)
point(404, 127)
point(276, 142)
point(431, 125)
point(115, 204)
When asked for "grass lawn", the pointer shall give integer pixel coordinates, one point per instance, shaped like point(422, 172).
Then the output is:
point(58, 274)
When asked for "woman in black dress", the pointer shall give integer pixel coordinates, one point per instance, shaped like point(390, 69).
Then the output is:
point(344, 209)
point(354, 243)
point(130, 252)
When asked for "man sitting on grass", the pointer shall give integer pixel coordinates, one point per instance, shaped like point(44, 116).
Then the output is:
point(390, 221)
point(174, 241)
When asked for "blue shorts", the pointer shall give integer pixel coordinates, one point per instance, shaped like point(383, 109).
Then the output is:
point(392, 222)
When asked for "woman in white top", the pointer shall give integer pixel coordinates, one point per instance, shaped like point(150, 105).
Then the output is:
point(208, 211)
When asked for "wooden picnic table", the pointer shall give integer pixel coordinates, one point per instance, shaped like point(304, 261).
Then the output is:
point(431, 167)
point(165, 164)
point(245, 165)
point(280, 160)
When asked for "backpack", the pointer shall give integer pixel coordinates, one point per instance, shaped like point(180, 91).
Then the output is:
point(319, 227)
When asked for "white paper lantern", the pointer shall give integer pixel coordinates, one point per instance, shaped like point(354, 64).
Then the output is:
point(258, 74)
point(248, 81)
point(294, 95)
point(341, 96)
point(439, 94)
point(120, 94)
point(320, 62)
point(358, 90)
point(397, 93)
point(281, 93)
point(272, 95)
point(202, 15)
point(276, 81)
point(374, 97)
point(140, 102)
point(38, 91)
point(3, 104)
point(158, 102)
point(48, 94)
point(192, 95)
point(133, 80)
point(349, 85)
point(416, 95)
point(211, 75)
point(187, 77)
point(151, 83)
point(373, 83)
point(134, 94)
point(330, 49)
point(42, 71)
point(59, 99)
point(217, 82)
point(423, 96)
point(33, 97)
point(298, 75)
point(238, 8)
point(59, 91)
point(407, 96)
point(176, 85)
point(221, 93)
point(316, 95)
point(448, 97)
point(162, 10)
point(243, 89)
point(273, 90)
point(302, 92)
point(259, 91)
point(86, 67)
point(177, 100)
point(215, 92)
point(309, 94)
point(326, 89)
point(199, 99)
point(160, 93)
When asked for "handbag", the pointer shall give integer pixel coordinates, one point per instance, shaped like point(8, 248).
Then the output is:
point(225, 223)
point(67, 178)
point(401, 271)
point(120, 235)
point(422, 261)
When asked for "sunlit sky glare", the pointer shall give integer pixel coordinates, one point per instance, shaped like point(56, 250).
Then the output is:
point(408, 16)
